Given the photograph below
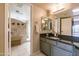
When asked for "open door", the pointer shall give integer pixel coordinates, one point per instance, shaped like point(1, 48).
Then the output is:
point(19, 24)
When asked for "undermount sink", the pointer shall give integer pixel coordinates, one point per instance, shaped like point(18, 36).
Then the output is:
point(54, 38)
point(66, 41)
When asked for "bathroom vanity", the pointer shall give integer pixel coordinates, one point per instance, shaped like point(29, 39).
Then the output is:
point(64, 38)
point(53, 46)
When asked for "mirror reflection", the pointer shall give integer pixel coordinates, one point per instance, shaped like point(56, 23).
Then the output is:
point(46, 24)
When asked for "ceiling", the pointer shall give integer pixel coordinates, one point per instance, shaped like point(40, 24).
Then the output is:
point(20, 11)
point(48, 6)
point(68, 7)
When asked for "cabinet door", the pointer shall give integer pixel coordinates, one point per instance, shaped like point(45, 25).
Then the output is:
point(45, 47)
point(65, 46)
point(42, 46)
point(77, 51)
point(55, 51)
point(52, 42)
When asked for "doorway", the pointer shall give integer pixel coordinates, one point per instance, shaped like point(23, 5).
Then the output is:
point(20, 25)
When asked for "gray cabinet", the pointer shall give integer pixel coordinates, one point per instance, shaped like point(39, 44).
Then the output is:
point(56, 48)
point(52, 42)
point(56, 51)
point(77, 51)
point(65, 46)
point(45, 47)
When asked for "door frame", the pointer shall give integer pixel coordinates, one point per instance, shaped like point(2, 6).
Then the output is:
point(7, 42)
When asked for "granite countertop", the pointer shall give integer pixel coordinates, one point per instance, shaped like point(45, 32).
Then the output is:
point(58, 39)
point(76, 44)
point(64, 41)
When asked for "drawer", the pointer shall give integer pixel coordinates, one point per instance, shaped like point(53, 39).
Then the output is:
point(51, 41)
point(55, 51)
point(65, 46)
point(45, 48)
point(43, 39)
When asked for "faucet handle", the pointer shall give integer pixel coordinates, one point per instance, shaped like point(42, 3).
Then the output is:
point(47, 34)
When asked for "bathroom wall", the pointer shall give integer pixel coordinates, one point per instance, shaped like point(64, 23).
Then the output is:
point(2, 33)
point(3, 29)
point(19, 30)
point(37, 13)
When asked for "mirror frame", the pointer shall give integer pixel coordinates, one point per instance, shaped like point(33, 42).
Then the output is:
point(50, 24)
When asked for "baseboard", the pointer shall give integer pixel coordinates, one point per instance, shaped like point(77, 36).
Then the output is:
point(34, 53)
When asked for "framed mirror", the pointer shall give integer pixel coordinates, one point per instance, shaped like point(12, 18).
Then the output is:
point(46, 24)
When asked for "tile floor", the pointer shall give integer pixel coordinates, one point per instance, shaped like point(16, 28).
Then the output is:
point(38, 54)
point(23, 50)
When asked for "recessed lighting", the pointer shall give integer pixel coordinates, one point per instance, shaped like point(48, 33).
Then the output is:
point(75, 10)
point(17, 11)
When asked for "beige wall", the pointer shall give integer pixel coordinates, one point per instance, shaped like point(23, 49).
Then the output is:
point(3, 32)
point(2, 19)
point(37, 13)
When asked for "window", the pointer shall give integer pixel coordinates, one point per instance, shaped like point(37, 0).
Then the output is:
point(76, 26)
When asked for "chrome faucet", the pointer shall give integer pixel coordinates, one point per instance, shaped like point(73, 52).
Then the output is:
point(47, 35)
point(56, 34)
